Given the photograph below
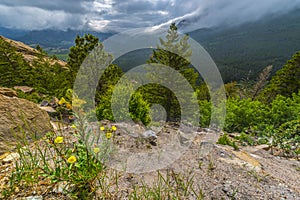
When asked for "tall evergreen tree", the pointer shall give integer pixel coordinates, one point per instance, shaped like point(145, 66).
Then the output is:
point(173, 52)
point(286, 81)
point(83, 46)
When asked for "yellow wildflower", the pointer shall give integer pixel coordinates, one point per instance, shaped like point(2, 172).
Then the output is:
point(102, 128)
point(59, 140)
point(69, 106)
point(73, 126)
point(114, 128)
point(72, 159)
point(62, 101)
point(108, 135)
point(96, 150)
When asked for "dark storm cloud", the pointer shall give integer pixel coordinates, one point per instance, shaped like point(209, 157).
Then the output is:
point(69, 6)
point(119, 15)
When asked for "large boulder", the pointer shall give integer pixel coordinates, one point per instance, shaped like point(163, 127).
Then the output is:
point(20, 117)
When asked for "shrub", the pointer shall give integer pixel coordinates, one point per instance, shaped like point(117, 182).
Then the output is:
point(244, 114)
point(205, 113)
point(245, 139)
point(139, 109)
point(225, 140)
point(287, 137)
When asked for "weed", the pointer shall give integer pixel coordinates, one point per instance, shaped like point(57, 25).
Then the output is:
point(225, 140)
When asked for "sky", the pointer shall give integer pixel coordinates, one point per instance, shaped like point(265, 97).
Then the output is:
point(121, 15)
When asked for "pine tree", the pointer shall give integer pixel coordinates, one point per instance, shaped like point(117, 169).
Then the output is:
point(173, 52)
point(83, 46)
point(286, 81)
point(14, 69)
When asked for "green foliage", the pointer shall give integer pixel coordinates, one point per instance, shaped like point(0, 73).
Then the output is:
point(174, 52)
point(285, 109)
point(286, 81)
point(245, 139)
point(50, 79)
point(34, 97)
point(83, 46)
point(41, 74)
point(244, 114)
point(138, 107)
point(56, 158)
point(287, 137)
point(169, 186)
point(225, 140)
point(205, 113)
point(14, 69)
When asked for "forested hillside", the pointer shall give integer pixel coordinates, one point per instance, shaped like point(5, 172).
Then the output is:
point(241, 52)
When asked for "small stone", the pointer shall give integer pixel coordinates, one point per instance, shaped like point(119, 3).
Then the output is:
point(48, 109)
point(293, 148)
point(149, 134)
point(225, 189)
point(54, 101)
point(34, 198)
point(44, 103)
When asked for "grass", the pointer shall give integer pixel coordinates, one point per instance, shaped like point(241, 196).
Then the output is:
point(169, 186)
point(211, 165)
point(65, 159)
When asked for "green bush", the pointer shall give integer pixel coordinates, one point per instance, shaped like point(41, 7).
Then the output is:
point(258, 117)
point(284, 109)
point(205, 113)
point(139, 109)
point(287, 137)
point(243, 114)
point(245, 139)
point(34, 97)
point(225, 140)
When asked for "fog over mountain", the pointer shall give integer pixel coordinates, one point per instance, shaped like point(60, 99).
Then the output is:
point(119, 15)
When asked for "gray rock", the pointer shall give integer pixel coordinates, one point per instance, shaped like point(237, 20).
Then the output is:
point(48, 109)
point(34, 198)
point(44, 103)
point(18, 116)
point(24, 89)
point(149, 134)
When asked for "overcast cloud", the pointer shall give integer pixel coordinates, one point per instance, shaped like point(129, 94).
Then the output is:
point(119, 15)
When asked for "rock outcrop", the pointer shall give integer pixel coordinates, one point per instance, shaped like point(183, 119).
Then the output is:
point(30, 54)
point(24, 89)
point(20, 116)
point(8, 92)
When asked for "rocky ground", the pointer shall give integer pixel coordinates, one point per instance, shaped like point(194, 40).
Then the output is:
point(221, 173)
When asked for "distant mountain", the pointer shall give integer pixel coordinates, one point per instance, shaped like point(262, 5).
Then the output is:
point(245, 50)
point(12, 33)
point(52, 41)
point(57, 38)
point(240, 52)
